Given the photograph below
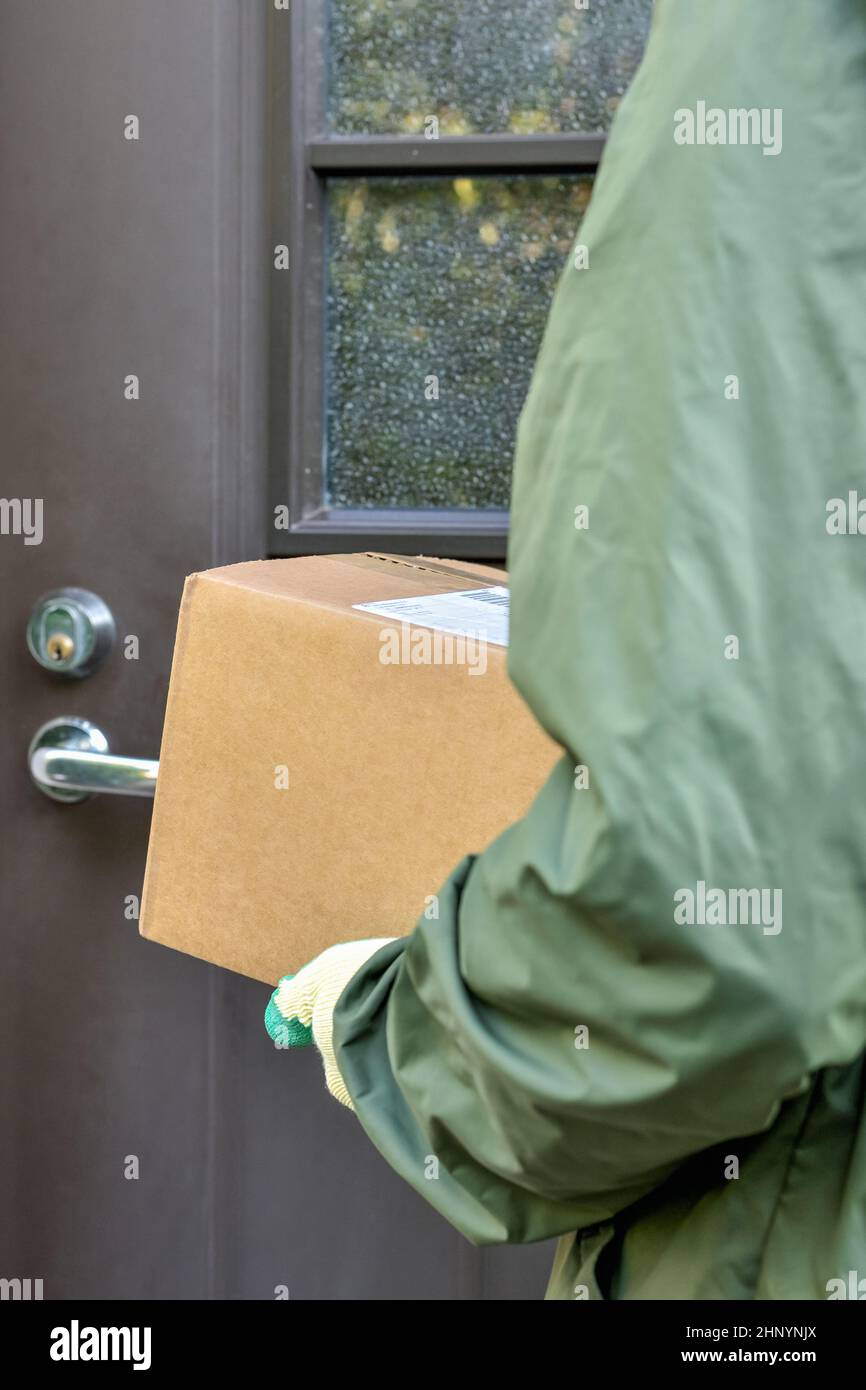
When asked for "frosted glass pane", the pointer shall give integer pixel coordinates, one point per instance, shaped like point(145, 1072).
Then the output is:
point(481, 66)
point(439, 290)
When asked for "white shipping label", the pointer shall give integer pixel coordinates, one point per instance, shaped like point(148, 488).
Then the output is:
point(479, 613)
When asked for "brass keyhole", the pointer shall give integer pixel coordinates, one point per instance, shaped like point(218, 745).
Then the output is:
point(60, 646)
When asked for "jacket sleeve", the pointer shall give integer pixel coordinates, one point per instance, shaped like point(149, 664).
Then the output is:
point(532, 1064)
point(560, 1039)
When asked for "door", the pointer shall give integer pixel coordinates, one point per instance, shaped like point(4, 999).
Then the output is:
point(154, 1144)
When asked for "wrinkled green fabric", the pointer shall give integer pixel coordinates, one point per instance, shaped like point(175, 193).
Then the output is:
point(707, 520)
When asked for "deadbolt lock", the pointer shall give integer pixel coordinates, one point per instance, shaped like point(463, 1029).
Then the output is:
point(70, 631)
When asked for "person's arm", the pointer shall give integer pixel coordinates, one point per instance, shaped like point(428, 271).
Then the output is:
point(539, 1057)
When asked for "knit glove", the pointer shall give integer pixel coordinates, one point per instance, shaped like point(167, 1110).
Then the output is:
point(301, 1010)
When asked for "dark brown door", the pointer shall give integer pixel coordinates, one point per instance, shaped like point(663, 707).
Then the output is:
point(154, 1144)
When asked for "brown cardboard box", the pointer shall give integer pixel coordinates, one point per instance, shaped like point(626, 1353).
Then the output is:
point(312, 789)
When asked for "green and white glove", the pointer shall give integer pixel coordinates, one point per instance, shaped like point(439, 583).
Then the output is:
point(301, 1009)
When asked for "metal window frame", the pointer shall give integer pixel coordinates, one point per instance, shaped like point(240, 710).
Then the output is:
point(302, 157)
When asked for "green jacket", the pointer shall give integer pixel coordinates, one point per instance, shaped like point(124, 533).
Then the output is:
point(606, 1036)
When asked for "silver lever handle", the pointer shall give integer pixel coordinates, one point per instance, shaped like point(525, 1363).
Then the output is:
point(69, 760)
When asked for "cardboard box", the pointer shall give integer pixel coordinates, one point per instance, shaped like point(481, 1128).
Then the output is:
point(324, 768)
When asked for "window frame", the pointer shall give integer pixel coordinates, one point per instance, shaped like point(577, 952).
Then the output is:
point(303, 155)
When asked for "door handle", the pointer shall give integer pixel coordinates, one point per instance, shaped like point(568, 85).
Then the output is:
point(70, 760)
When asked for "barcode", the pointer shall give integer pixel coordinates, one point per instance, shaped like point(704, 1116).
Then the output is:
point(483, 596)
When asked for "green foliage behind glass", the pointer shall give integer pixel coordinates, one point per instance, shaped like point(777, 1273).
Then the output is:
point(481, 66)
point(437, 278)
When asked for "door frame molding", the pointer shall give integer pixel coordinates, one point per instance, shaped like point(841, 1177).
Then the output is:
point(239, 498)
point(240, 277)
